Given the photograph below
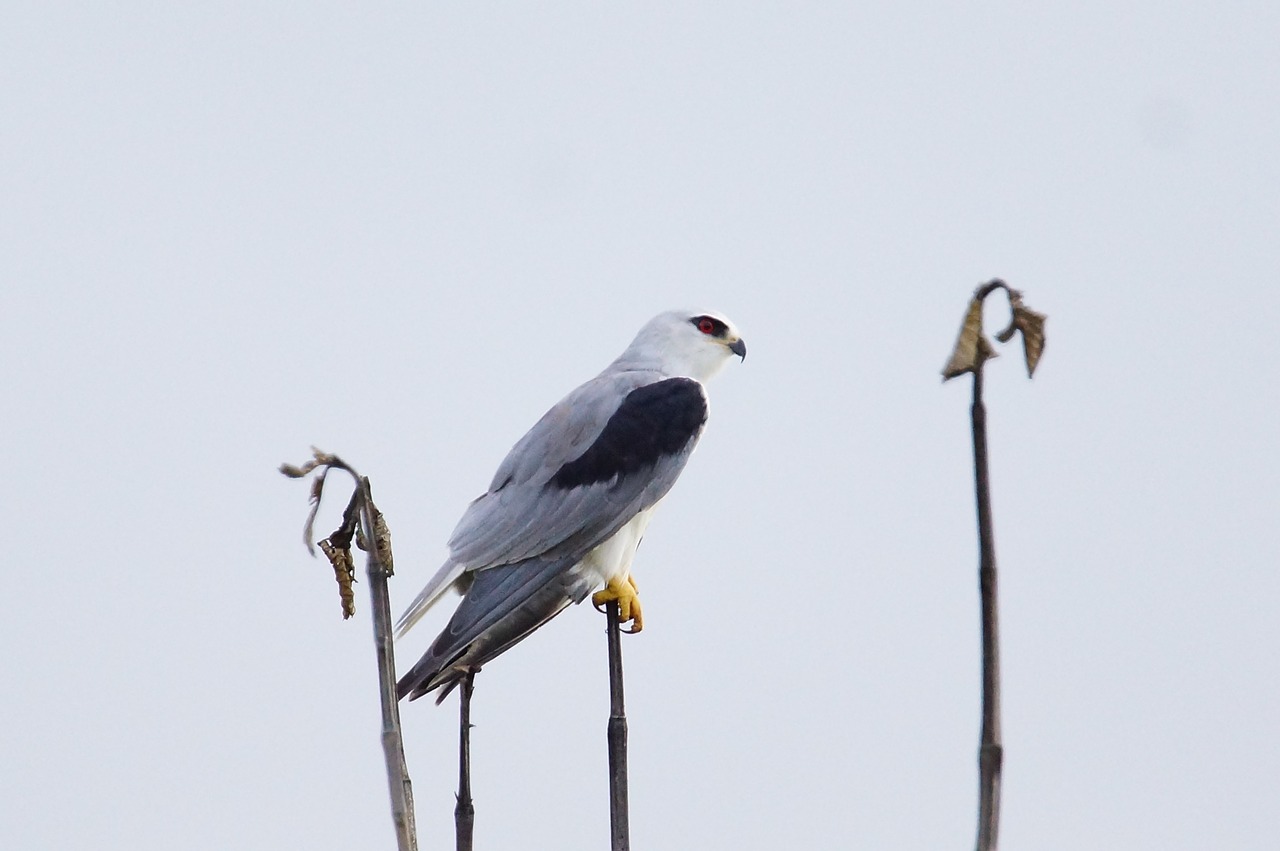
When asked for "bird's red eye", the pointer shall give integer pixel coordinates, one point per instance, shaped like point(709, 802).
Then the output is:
point(706, 326)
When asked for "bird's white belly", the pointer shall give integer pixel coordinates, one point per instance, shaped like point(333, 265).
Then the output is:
point(612, 559)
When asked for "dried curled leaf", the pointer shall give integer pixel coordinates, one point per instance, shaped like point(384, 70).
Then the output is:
point(317, 491)
point(318, 459)
point(344, 571)
point(1030, 324)
point(972, 346)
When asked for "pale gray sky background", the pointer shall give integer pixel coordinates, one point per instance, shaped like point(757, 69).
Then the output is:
point(402, 231)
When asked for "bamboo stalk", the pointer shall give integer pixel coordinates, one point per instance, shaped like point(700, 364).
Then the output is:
point(392, 741)
point(464, 812)
point(972, 351)
point(363, 521)
point(991, 749)
point(619, 810)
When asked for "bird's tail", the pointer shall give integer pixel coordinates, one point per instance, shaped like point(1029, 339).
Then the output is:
point(502, 606)
point(446, 577)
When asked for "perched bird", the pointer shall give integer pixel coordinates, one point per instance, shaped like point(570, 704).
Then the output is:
point(569, 505)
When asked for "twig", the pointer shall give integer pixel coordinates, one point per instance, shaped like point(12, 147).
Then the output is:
point(991, 749)
point(363, 521)
point(970, 354)
point(464, 813)
point(378, 568)
point(619, 813)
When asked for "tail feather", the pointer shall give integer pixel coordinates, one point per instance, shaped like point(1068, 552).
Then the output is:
point(502, 606)
point(445, 578)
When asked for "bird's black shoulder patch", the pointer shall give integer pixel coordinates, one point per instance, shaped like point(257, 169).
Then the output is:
point(653, 421)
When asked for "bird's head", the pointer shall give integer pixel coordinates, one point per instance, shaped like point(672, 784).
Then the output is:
point(685, 343)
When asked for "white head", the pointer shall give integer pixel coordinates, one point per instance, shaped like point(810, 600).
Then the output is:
point(684, 343)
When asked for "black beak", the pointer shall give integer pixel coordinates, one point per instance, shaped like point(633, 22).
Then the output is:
point(739, 348)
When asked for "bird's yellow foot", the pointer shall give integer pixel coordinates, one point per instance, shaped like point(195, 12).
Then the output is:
point(622, 592)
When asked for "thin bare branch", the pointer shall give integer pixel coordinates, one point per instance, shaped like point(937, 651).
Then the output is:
point(619, 808)
point(362, 519)
point(464, 812)
point(991, 748)
point(971, 352)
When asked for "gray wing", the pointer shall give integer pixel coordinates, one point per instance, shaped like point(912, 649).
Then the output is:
point(581, 469)
point(608, 451)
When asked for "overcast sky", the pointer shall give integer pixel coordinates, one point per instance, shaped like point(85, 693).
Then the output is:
point(229, 231)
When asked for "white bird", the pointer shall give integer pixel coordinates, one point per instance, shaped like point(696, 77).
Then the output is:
point(569, 505)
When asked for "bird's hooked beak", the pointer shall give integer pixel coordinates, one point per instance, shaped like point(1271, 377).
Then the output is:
point(739, 348)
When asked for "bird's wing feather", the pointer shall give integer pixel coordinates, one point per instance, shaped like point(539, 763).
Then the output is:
point(611, 448)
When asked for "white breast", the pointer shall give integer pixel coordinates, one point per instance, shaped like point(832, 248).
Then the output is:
point(612, 559)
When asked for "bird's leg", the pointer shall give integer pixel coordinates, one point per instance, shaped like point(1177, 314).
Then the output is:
point(622, 592)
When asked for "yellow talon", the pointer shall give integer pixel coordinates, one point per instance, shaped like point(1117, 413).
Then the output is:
point(622, 592)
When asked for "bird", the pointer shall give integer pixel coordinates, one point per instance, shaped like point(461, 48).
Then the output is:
point(568, 506)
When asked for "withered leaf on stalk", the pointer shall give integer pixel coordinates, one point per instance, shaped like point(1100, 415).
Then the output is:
point(972, 346)
point(381, 532)
point(382, 535)
point(318, 458)
point(1031, 325)
point(337, 547)
point(344, 571)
